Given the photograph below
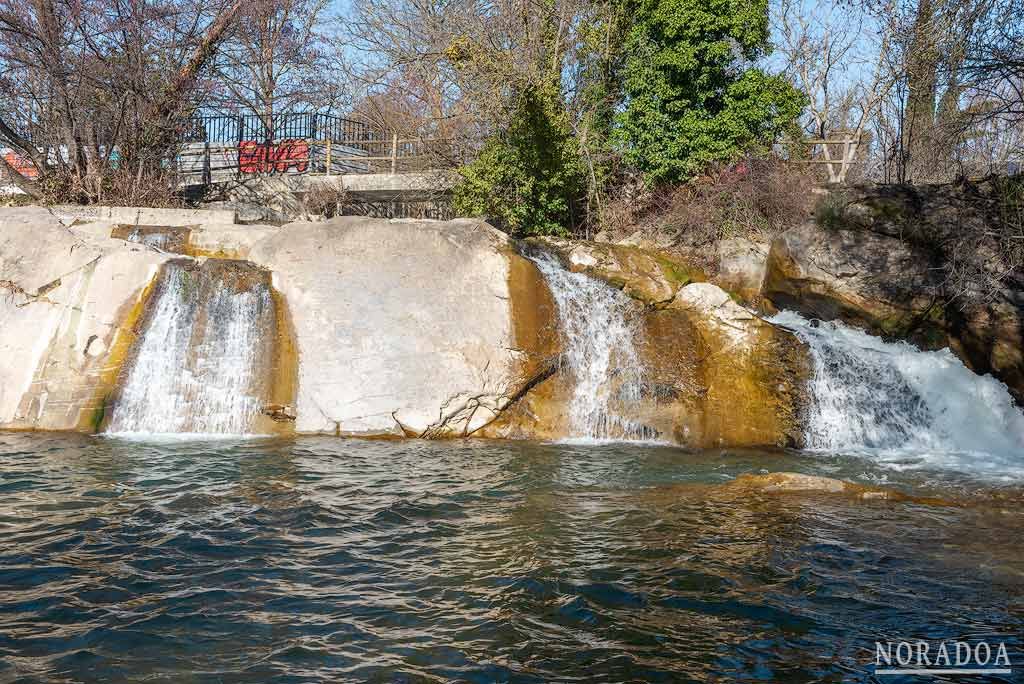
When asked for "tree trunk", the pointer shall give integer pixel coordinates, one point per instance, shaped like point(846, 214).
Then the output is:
point(922, 77)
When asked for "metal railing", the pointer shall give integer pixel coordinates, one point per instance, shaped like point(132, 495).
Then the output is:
point(221, 147)
point(225, 128)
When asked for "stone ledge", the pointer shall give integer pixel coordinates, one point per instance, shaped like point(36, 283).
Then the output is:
point(147, 216)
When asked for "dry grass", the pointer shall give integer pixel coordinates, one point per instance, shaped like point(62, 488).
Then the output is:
point(324, 200)
point(754, 199)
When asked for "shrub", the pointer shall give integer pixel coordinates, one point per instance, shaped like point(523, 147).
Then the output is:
point(693, 94)
point(529, 179)
point(754, 199)
point(324, 200)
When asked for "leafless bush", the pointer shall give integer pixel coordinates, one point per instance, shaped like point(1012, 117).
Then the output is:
point(324, 200)
point(116, 187)
point(754, 199)
point(980, 262)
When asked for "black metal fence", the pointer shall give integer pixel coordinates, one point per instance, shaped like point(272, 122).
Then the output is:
point(231, 128)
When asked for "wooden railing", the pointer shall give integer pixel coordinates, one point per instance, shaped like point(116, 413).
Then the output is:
point(837, 168)
point(203, 162)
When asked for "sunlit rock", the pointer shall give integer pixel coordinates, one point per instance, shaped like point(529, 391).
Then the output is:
point(738, 379)
point(741, 268)
point(651, 276)
point(68, 302)
point(416, 328)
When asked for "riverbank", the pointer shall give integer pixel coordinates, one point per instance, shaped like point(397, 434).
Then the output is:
point(368, 327)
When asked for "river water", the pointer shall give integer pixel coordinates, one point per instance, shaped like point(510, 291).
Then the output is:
point(329, 560)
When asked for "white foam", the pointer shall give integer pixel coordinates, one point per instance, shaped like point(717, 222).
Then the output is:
point(194, 371)
point(162, 437)
point(905, 407)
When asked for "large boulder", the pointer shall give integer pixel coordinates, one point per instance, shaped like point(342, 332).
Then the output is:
point(68, 303)
point(403, 327)
point(935, 265)
point(736, 379)
point(870, 279)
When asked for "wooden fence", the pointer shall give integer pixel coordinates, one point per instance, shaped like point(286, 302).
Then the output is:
point(205, 162)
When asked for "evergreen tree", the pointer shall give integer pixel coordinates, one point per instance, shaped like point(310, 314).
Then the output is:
point(529, 178)
point(692, 93)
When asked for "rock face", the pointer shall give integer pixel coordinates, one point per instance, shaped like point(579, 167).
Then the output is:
point(404, 327)
point(743, 379)
point(650, 276)
point(68, 302)
point(741, 268)
point(936, 265)
point(871, 280)
point(385, 328)
point(715, 375)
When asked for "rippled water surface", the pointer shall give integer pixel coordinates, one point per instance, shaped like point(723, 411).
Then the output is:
point(325, 560)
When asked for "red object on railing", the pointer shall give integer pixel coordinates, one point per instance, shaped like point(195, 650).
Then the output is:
point(256, 157)
point(22, 165)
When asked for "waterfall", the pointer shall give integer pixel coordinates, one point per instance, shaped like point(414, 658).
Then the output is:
point(196, 368)
point(599, 326)
point(868, 395)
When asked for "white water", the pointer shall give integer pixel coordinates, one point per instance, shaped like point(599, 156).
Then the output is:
point(905, 407)
point(599, 326)
point(194, 371)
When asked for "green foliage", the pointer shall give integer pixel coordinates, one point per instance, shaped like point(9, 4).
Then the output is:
point(692, 97)
point(529, 178)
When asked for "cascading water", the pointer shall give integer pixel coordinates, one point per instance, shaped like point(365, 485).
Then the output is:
point(904, 405)
point(197, 367)
point(599, 326)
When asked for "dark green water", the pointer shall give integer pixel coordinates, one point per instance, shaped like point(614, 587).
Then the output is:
point(324, 560)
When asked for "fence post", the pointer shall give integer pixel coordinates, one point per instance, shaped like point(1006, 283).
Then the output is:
point(846, 161)
point(207, 166)
point(394, 152)
point(238, 147)
point(328, 156)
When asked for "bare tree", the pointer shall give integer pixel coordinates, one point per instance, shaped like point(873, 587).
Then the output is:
point(957, 100)
point(463, 59)
point(276, 60)
point(96, 94)
point(838, 57)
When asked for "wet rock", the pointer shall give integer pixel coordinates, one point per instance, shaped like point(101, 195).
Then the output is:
point(279, 412)
point(933, 265)
point(68, 302)
point(715, 374)
point(651, 276)
point(743, 380)
point(800, 483)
